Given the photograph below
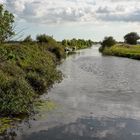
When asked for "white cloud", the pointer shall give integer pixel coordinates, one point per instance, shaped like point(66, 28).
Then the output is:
point(52, 11)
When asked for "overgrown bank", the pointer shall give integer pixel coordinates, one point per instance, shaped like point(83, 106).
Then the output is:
point(28, 68)
point(123, 50)
point(26, 71)
point(130, 48)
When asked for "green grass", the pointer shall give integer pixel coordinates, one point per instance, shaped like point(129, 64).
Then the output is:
point(26, 71)
point(123, 50)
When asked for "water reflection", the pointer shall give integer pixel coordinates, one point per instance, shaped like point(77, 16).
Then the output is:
point(89, 128)
point(86, 128)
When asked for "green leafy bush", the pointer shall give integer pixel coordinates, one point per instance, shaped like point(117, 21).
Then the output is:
point(108, 42)
point(16, 95)
point(39, 84)
point(51, 45)
point(57, 50)
point(23, 77)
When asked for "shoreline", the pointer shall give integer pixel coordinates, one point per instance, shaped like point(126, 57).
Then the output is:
point(122, 50)
point(27, 71)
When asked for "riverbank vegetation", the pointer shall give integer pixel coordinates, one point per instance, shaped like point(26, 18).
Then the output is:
point(123, 50)
point(28, 67)
point(77, 43)
point(130, 48)
point(26, 71)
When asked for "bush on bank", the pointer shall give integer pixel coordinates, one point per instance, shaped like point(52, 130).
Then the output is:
point(107, 43)
point(26, 71)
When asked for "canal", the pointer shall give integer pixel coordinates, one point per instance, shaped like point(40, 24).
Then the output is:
point(98, 99)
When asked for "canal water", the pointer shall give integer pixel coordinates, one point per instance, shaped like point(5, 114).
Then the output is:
point(98, 99)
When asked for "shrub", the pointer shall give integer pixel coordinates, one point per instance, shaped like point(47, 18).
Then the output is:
point(39, 84)
point(108, 42)
point(11, 69)
point(56, 49)
point(30, 72)
point(51, 45)
point(16, 95)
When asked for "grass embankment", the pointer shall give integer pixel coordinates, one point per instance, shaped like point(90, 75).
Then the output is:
point(123, 50)
point(26, 71)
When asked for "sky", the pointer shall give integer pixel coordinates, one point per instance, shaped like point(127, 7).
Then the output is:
point(88, 19)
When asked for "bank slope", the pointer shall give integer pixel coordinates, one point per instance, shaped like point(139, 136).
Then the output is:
point(123, 50)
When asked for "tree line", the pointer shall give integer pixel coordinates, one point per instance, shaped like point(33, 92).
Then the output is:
point(78, 43)
point(130, 38)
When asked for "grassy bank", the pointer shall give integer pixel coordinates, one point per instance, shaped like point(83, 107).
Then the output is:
point(26, 71)
point(123, 50)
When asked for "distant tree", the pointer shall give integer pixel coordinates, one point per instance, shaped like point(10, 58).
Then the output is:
point(108, 42)
point(64, 42)
point(68, 42)
point(77, 43)
point(131, 38)
point(6, 24)
point(28, 39)
point(73, 42)
point(90, 42)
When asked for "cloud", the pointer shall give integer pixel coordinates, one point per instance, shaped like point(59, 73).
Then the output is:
point(62, 11)
point(103, 10)
point(132, 17)
point(51, 10)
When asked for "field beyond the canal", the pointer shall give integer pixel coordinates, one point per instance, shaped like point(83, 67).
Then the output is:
point(123, 50)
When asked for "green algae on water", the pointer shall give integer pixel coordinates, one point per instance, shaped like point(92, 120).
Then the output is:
point(5, 123)
point(43, 108)
point(46, 106)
